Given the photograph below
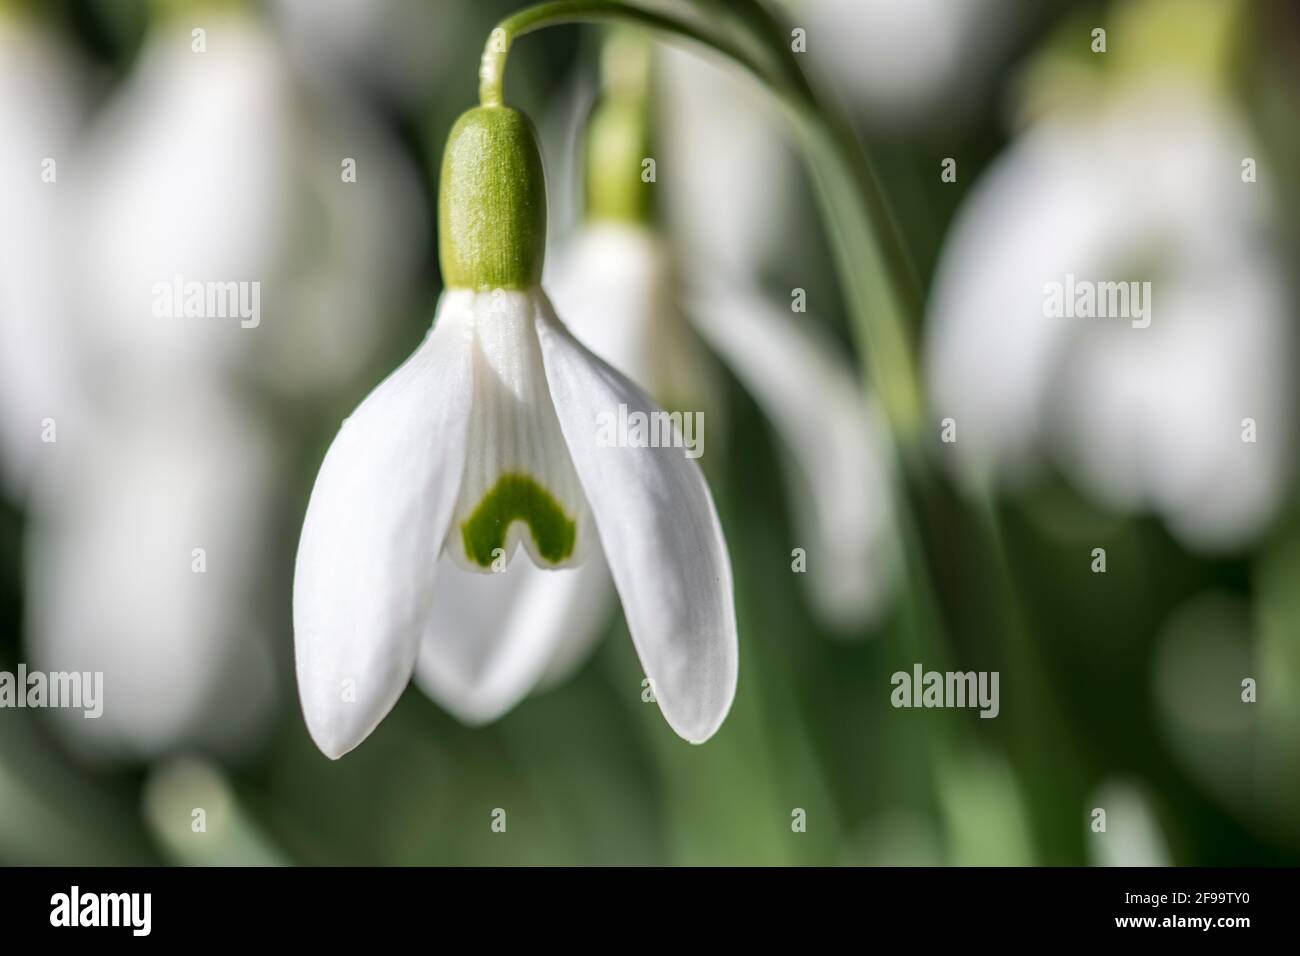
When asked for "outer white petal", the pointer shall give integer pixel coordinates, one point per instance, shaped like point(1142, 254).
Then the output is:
point(661, 536)
point(374, 528)
point(492, 638)
point(840, 457)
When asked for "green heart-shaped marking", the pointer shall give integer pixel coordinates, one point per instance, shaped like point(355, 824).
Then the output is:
point(518, 497)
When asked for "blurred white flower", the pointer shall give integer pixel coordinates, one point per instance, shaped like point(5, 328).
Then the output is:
point(204, 166)
point(40, 109)
point(145, 554)
point(907, 61)
point(615, 285)
point(212, 166)
point(1150, 189)
point(486, 439)
point(727, 155)
point(401, 46)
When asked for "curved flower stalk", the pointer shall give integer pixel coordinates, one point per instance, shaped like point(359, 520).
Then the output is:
point(214, 170)
point(485, 441)
point(40, 112)
point(1141, 412)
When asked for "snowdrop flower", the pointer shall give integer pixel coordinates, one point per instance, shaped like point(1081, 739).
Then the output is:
point(838, 455)
point(1139, 417)
point(484, 443)
point(614, 262)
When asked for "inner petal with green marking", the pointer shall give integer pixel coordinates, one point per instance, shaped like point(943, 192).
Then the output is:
point(518, 498)
point(518, 487)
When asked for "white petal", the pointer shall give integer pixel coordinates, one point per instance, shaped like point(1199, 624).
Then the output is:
point(373, 532)
point(492, 638)
point(518, 486)
point(840, 457)
point(661, 535)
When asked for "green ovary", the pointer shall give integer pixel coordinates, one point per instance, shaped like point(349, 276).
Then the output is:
point(518, 497)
